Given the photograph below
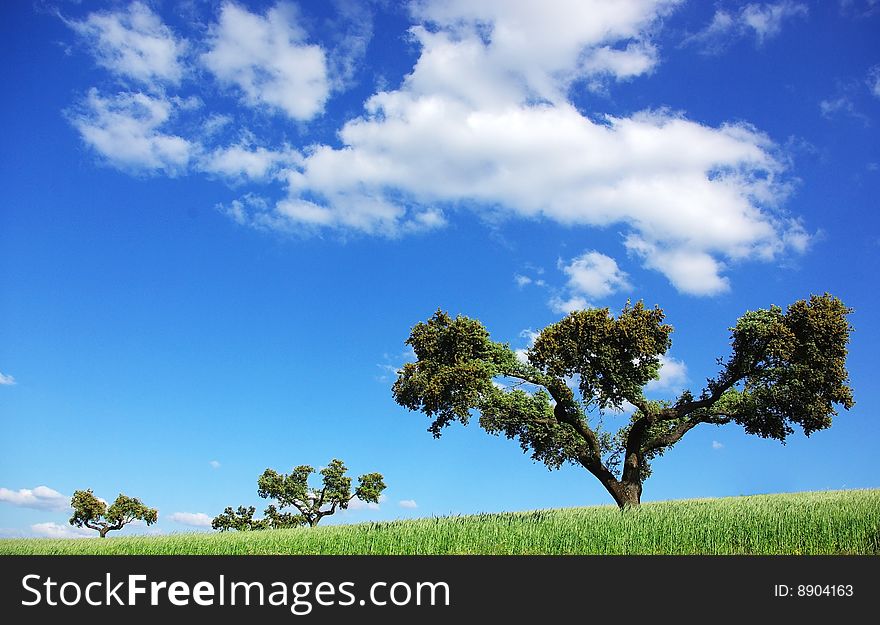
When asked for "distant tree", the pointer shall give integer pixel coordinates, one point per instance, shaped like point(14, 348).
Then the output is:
point(91, 512)
point(241, 520)
point(785, 369)
point(293, 491)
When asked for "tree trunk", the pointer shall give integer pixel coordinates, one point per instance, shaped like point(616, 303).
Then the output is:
point(630, 495)
point(625, 494)
point(103, 531)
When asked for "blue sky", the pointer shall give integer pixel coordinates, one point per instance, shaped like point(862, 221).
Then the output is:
point(222, 219)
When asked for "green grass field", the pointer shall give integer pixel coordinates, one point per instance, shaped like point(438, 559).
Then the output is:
point(830, 522)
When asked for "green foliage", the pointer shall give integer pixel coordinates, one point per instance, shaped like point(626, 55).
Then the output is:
point(829, 523)
point(91, 512)
point(792, 366)
point(785, 369)
point(454, 371)
point(293, 490)
point(241, 520)
point(613, 358)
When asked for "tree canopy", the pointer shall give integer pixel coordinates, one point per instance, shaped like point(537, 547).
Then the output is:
point(293, 491)
point(91, 512)
point(785, 369)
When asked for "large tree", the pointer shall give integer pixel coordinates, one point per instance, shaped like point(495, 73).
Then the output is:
point(293, 491)
point(91, 512)
point(785, 369)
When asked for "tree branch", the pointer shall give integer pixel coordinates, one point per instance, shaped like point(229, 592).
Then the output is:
point(566, 411)
point(686, 408)
point(674, 435)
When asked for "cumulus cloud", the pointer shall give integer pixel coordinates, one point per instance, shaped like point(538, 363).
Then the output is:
point(595, 275)
point(39, 498)
point(56, 530)
point(546, 46)
point(717, 445)
point(214, 464)
point(763, 21)
point(242, 161)
point(6, 380)
point(268, 59)
point(126, 129)
point(591, 275)
point(482, 122)
point(691, 271)
point(683, 189)
point(563, 305)
point(408, 503)
point(133, 43)
point(194, 519)
point(673, 376)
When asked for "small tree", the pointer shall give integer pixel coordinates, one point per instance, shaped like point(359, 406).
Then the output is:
point(242, 520)
point(91, 512)
point(785, 369)
point(312, 504)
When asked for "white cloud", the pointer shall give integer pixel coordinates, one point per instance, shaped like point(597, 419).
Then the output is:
point(591, 275)
point(356, 504)
point(766, 19)
point(763, 21)
point(545, 46)
point(56, 530)
point(717, 445)
point(126, 130)
point(568, 305)
point(634, 60)
point(194, 519)
point(268, 59)
point(352, 29)
point(215, 124)
point(833, 106)
point(408, 503)
point(134, 43)
point(524, 280)
point(215, 464)
point(6, 380)
point(691, 271)
point(39, 498)
point(482, 122)
point(530, 336)
point(841, 105)
point(595, 275)
point(243, 161)
point(679, 185)
point(673, 376)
